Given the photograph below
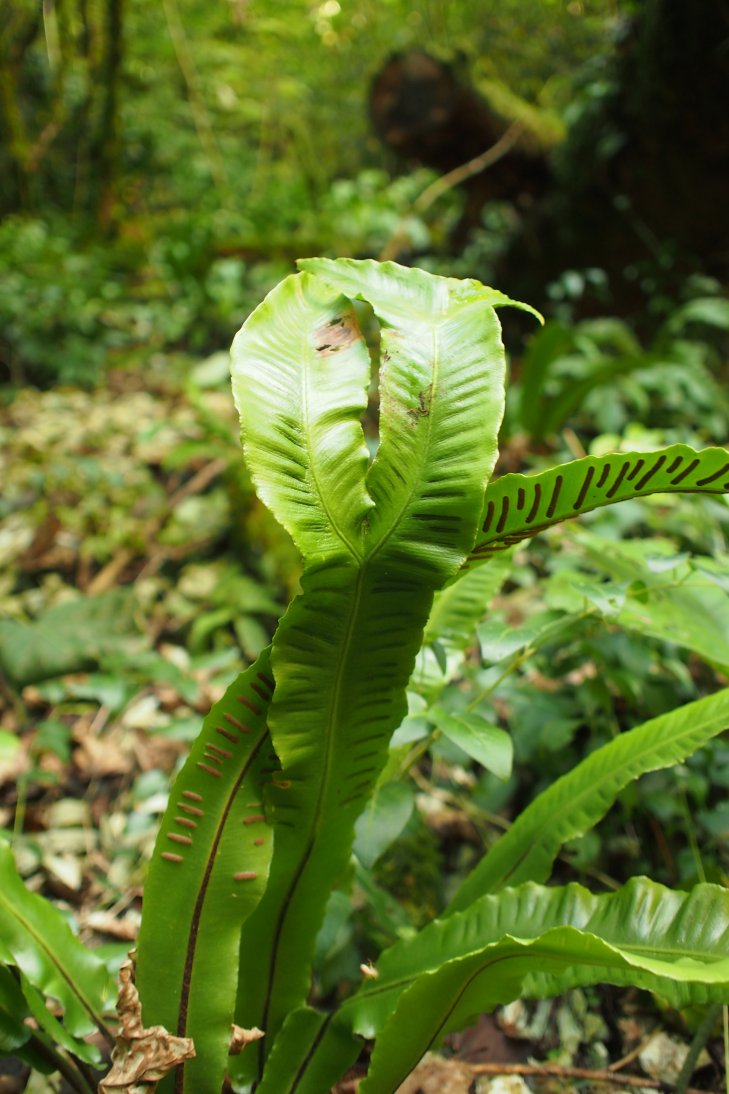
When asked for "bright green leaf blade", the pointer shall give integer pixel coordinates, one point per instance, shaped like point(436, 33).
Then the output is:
point(672, 943)
point(575, 803)
point(518, 506)
point(667, 598)
point(388, 811)
point(311, 1053)
point(484, 742)
point(35, 937)
point(441, 404)
point(301, 372)
point(360, 619)
point(643, 916)
point(207, 875)
point(53, 1027)
point(457, 610)
point(331, 729)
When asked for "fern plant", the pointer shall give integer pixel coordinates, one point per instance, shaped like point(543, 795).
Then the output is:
point(401, 553)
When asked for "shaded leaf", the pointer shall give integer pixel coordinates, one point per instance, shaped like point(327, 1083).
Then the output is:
point(484, 742)
point(575, 802)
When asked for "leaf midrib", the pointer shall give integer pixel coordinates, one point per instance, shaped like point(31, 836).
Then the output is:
point(313, 462)
point(322, 793)
point(423, 450)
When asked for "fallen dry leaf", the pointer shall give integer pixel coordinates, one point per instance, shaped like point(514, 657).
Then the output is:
point(241, 1037)
point(141, 1056)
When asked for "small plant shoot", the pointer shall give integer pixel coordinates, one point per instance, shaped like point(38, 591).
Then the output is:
point(399, 542)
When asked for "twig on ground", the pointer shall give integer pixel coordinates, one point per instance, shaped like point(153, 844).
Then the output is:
point(109, 574)
point(555, 1071)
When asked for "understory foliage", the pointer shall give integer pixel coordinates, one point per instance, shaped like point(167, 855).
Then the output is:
point(405, 539)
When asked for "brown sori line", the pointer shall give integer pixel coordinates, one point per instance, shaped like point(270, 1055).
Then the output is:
point(236, 724)
point(555, 495)
point(674, 464)
point(246, 875)
point(520, 498)
point(259, 841)
point(191, 809)
point(266, 680)
point(686, 471)
point(589, 476)
point(504, 513)
point(535, 504)
point(621, 475)
point(251, 706)
point(489, 517)
point(186, 822)
point(228, 736)
point(192, 795)
point(179, 839)
point(168, 855)
point(604, 474)
point(714, 477)
point(641, 484)
point(197, 910)
point(255, 819)
point(213, 759)
point(635, 470)
point(219, 751)
point(210, 770)
point(260, 692)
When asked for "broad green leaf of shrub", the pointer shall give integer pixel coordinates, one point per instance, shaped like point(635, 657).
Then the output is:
point(484, 742)
point(666, 598)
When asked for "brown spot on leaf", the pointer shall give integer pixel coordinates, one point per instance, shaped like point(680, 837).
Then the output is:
point(337, 334)
point(422, 410)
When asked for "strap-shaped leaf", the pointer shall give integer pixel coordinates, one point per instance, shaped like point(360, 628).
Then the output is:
point(518, 506)
point(313, 1051)
point(35, 937)
point(208, 873)
point(342, 657)
point(577, 801)
point(457, 610)
point(360, 619)
point(441, 404)
point(301, 371)
point(670, 942)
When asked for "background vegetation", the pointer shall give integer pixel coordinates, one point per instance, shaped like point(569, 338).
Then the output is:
point(163, 164)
